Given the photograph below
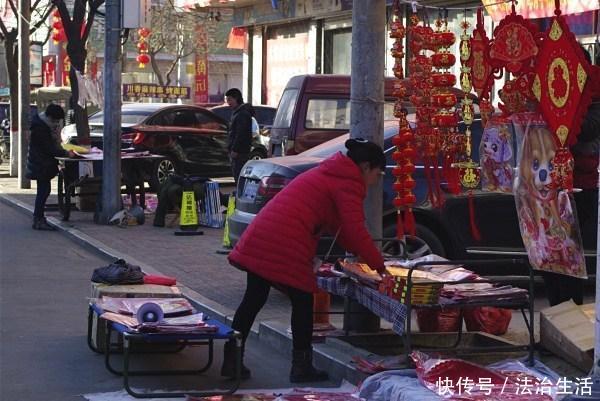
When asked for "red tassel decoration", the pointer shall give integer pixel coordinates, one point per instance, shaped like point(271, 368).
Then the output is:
point(474, 229)
point(410, 226)
point(400, 226)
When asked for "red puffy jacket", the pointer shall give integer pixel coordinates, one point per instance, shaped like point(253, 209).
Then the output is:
point(280, 243)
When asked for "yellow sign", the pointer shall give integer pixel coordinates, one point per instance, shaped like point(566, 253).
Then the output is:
point(189, 213)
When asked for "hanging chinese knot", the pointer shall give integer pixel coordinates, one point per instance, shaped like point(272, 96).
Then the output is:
point(482, 78)
point(142, 46)
point(404, 153)
point(560, 86)
point(58, 30)
point(443, 101)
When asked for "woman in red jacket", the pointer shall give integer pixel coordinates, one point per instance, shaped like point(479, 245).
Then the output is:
point(279, 246)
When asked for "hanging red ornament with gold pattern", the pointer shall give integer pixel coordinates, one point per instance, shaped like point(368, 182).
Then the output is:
point(561, 86)
point(143, 58)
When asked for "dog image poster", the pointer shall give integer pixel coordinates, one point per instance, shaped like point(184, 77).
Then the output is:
point(547, 215)
point(496, 156)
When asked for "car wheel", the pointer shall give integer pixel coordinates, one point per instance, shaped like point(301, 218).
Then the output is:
point(257, 154)
point(425, 242)
point(163, 168)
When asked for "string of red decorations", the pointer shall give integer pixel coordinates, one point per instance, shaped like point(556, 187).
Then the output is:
point(405, 152)
point(58, 30)
point(142, 47)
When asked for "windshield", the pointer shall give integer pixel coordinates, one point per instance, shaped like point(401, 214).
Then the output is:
point(127, 117)
point(285, 111)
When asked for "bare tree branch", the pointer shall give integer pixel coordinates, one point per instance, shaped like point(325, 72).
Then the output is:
point(13, 7)
point(3, 30)
point(62, 9)
point(35, 4)
point(42, 20)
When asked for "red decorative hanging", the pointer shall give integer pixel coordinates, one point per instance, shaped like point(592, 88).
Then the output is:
point(58, 30)
point(560, 86)
point(514, 45)
point(143, 47)
point(405, 152)
point(481, 70)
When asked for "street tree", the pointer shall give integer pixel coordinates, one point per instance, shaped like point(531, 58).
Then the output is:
point(172, 32)
point(77, 28)
point(40, 11)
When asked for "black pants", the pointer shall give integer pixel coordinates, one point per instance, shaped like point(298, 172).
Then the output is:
point(43, 191)
point(236, 165)
point(257, 291)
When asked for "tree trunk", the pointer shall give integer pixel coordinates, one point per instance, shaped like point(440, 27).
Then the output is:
point(10, 49)
point(77, 54)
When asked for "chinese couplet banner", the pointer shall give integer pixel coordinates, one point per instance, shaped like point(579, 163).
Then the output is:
point(201, 66)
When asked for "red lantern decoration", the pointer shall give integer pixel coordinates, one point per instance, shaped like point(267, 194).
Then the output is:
point(142, 46)
point(144, 32)
point(143, 59)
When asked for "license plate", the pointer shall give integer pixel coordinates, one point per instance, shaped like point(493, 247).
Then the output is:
point(250, 189)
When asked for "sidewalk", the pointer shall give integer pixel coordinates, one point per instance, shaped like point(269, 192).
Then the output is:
point(207, 276)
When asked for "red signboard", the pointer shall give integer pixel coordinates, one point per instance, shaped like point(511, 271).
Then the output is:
point(201, 66)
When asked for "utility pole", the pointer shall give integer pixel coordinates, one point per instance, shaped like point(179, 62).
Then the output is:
point(366, 119)
point(24, 88)
point(367, 90)
point(111, 167)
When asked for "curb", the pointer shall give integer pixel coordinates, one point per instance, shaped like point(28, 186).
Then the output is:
point(329, 355)
point(216, 310)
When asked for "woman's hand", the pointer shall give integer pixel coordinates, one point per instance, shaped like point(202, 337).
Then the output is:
point(71, 153)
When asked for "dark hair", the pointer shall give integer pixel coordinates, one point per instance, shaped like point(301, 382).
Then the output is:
point(236, 94)
point(55, 112)
point(360, 150)
point(586, 53)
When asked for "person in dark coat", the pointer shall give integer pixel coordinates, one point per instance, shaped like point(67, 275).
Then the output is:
point(279, 246)
point(240, 131)
point(42, 165)
point(586, 151)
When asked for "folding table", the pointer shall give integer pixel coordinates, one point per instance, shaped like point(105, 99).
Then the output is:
point(130, 337)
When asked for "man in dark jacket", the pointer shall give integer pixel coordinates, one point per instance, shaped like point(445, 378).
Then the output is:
point(41, 163)
point(240, 131)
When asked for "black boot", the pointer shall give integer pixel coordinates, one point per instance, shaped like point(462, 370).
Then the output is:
point(228, 368)
point(40, 223)
point(302, 369)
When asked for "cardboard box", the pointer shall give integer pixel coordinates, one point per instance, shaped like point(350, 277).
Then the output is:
point(98, 332)
point(567, 330)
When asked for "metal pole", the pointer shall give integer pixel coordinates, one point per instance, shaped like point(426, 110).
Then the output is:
point(367, 90)
point(366, 120)
point(24, 88)
point(111, 168)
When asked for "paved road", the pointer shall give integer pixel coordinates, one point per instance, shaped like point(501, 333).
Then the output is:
point(44, 282)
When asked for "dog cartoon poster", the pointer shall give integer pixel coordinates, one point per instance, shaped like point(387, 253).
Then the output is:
point(496, 156)
point(547, 215)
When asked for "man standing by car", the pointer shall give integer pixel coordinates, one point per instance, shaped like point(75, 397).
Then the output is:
point(240, 131)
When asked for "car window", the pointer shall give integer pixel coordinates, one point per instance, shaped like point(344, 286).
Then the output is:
point(206, 121)
point(127, 117)
point(285, 110)
point(328, 114)
point(224, 112)
point(265, 116)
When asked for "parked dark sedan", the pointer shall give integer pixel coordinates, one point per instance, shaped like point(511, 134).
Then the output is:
point(445, 231)
point(192, 139)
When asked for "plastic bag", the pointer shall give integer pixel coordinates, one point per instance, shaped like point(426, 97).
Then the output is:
point(487, 319)
point(438, 320)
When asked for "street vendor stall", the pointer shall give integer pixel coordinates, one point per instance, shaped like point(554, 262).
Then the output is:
point(69, 178)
